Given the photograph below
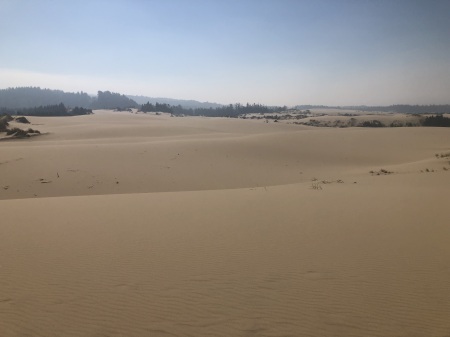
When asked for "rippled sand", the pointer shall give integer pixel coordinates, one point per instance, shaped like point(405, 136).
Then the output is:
point(133, 225)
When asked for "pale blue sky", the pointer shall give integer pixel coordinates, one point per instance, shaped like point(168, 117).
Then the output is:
point(275, 52)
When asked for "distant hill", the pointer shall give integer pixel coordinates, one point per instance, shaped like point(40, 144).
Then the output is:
point(406, 108)
point(31, 97)
point(189, 104)
point(397, 108)
point(13, 99)
point(307, 107)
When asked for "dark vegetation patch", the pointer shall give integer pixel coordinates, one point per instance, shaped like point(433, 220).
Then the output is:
point(79, 111)
point(233, 111)
point(20, 133)
point(437, 121)
point(22, 119)
point(372, 124)
point(4, 122)
point(381, 172)
point(123, 109)
point(442, 155)
point(15, 132)
point(47, 110)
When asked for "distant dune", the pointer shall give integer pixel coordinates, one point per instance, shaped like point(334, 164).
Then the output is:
point(120, 224)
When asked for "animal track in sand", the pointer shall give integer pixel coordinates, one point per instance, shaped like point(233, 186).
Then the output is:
point(10, 161)
point(317, 184)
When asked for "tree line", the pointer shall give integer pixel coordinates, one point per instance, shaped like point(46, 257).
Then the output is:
point(157, 107)
point(230, 110)
point(112, 100)
point(47, 110)
point(438, 120)
point(31, 97)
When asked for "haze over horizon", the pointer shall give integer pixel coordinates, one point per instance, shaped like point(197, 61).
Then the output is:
point(271, 52)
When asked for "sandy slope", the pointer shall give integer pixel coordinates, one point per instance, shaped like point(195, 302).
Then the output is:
point(125, 153)
point(231, 240)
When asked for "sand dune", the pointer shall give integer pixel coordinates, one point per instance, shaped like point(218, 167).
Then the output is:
point(124, 153)
point(158, 226)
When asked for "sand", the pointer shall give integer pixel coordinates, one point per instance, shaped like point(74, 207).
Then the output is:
point(120, 224)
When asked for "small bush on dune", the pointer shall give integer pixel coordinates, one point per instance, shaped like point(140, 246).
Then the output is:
point(316, 185)
point(22, 120)
point(33, 131)
point(3, 125)
point(17, 132)
point(4, 119)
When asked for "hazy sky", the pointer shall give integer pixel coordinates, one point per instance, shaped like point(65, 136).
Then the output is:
point(276, 52)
